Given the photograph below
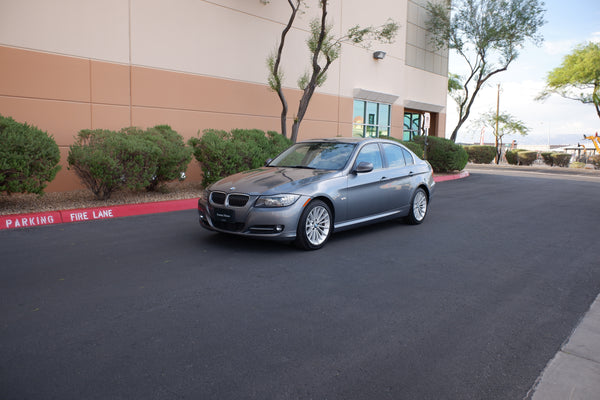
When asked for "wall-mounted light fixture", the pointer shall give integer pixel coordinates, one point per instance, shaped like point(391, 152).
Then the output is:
point(379, 55)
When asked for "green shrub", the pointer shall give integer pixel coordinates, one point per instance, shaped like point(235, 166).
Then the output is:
point(548, 159)
point(520, 157)
point(595, 160)
point(561, 159)
point(174, 155)
point(222, 153)
point(415, 148)
point(106, 161)
point(444, 155)
point(556, 159)
point(29, 158)
point(511, 156)
point(527, 157)
point(481, 154)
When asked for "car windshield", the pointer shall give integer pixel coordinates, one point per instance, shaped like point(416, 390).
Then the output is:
point(330, 156)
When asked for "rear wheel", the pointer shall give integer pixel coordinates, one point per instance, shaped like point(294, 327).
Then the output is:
point(314, 227)
point(418, 207)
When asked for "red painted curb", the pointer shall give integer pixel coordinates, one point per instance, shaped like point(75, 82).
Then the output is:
point(125, 210)
point(443, 178)
point(95, 213)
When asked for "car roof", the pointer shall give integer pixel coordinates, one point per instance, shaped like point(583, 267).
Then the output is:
point(346, 140)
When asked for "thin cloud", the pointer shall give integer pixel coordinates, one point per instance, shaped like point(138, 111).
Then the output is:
point(559, 47)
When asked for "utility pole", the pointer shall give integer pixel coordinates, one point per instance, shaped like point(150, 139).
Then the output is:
point(498, 151)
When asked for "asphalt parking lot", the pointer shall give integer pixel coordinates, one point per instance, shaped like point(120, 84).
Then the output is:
point(472, 304)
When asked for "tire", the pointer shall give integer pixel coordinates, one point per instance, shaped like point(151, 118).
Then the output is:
point(315, 226)
point(418, 207)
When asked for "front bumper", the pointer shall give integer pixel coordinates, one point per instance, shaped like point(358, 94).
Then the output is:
point(266, 223)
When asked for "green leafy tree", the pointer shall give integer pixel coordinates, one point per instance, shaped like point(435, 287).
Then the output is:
point(578, 77)
point(487, 35)
point(454, 85)
point(324, 49)
point(502, 124)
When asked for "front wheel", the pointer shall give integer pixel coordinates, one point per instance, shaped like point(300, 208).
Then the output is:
point(418, 207)
point(314, 227)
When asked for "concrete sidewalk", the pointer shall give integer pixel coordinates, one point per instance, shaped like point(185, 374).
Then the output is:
point(574, 372)
point(538, 168)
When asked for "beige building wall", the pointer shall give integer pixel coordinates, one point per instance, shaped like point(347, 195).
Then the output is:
point(68, 65)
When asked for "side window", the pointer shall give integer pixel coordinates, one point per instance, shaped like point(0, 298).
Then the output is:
point(408, 157)
point(370, 153)
point(394, 155)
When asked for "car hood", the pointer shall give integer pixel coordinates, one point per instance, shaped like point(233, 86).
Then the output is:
point(271, 180)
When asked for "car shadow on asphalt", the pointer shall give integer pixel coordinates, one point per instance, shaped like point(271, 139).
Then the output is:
point(246, 244)
point(224, 241)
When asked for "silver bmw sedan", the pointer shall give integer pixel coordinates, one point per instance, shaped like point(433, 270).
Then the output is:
point(317, 187)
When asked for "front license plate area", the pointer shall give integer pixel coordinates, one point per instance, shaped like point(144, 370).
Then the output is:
point(224, 215)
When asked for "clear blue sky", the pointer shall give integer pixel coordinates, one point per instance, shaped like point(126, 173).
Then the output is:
point(569, 23)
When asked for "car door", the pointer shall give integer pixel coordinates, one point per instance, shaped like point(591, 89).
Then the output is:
point(365, 193)
point(398, 177)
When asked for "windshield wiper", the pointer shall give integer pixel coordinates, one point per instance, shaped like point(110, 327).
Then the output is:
point(300, 166)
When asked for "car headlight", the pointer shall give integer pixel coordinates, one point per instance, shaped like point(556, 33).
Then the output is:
point(278, 200)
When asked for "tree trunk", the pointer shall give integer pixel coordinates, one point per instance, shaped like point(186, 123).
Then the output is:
point(316, 71)
point(284, 111)
point(284, 106)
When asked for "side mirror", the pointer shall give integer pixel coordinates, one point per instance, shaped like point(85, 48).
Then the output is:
point(363, 167)
point(268, 162)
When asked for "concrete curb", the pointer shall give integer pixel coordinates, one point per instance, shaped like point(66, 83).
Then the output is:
point(126, 210)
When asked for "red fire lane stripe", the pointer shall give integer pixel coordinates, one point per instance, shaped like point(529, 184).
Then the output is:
point(90, 214)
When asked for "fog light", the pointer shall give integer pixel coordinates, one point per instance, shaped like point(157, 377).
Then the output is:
point(279, 228)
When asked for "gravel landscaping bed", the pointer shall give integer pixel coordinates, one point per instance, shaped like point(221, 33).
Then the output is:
point(84, 198)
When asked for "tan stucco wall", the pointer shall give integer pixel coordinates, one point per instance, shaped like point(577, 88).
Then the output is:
point(69, 65)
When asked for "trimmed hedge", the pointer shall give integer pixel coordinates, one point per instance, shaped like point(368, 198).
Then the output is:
point(521, 157)
point(557, 159)
point(547, 157)
point(562, 159)
point(174, 156)
point(132, 158)
point(444, 155)
point(481, 154)
point(29, 158)
point(221, 153)
point(106, 161)
point(595, 160)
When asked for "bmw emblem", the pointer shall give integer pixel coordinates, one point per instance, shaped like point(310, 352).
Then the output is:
point(232, 188)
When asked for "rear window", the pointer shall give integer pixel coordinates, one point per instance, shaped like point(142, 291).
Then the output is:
point(394, 155)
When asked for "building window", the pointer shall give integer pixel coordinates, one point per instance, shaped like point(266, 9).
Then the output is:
point(371, 119)
point(412, 125)
point(420, 53)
